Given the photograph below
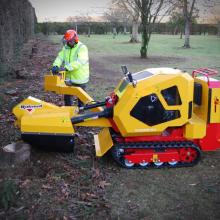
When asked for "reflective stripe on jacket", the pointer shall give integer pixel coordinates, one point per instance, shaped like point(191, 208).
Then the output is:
point(76, 60)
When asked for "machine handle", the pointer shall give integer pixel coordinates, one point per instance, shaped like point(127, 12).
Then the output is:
point(128, 75)
point(205, 72)
point(124, 69)
point(60, 69)
point(61, 73)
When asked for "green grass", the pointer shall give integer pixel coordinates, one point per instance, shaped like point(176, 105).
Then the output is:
point(172, 46)
point(204, 51)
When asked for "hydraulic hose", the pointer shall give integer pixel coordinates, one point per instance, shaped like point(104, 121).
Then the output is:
point(106, 113)
point(94, 105)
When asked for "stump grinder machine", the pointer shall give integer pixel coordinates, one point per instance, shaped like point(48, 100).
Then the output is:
point(158, 117)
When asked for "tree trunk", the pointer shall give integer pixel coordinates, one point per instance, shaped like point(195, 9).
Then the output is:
point(145, 41)
point(175, 30)
point(89, 31)
point(219, 29)
point(76, 28)
point(125, 30)
point(106, 28)
point(114, 32)
point(187, 34)
point(134, 33)
point(146, 29)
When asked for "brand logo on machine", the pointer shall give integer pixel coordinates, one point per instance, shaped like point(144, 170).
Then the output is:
point(30, 108)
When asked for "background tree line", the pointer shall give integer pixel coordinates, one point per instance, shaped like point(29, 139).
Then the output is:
point(145, 16)
point(172, 27)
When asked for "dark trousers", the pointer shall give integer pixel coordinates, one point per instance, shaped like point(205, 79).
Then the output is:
point(68, 99)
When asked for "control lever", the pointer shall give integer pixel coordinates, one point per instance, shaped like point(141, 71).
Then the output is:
point(128, 75)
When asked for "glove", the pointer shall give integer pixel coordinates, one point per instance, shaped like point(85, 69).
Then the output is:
point(55, 69)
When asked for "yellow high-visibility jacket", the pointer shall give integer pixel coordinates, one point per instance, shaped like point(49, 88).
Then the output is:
point(76, 61)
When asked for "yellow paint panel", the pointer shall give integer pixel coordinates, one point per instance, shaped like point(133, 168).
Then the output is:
point(47, 123)
point(154, 84)
point(50, 82)
point(215, 106)
point(57, 84)
point(103, 142)
point(32, 106)
point(155, 158)
point(99, 122)
point(196, 128)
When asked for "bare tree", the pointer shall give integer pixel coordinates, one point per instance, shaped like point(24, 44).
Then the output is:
point(176, 21)
point(112, 14)
point(211, 13)
point(87, 19)
point(208, 10)
point(84, 18)
point(116, 15)
point(188, 7)
point(218, 28)
point(149, 11)
point(131, 9)
point(190, 13)
point(75, 20)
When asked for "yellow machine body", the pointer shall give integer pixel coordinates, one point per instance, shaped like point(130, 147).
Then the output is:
point(36, 116)
point(209, 110)
point(156, 100)
point(151, 84)
point(103, 142)
point(195, 128)
point(205, 111)
point(56, 83)
point(215, 106)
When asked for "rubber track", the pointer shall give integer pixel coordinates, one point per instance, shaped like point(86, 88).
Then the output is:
point(158, 146)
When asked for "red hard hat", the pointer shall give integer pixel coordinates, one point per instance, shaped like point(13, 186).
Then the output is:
point(71, 35)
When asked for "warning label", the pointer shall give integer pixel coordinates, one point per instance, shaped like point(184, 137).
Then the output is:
point(30, 108)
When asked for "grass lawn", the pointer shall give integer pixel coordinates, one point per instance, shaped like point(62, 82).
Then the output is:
point(164, 50)
point(108, 54)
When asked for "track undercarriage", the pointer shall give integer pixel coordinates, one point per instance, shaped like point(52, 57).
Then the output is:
point(156, 154)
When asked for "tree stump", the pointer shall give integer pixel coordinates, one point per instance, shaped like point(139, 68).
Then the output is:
point(34, 50)
point(14, 153)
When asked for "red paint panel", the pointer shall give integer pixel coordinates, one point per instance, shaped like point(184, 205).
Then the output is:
point(214, 84)
point(211, 141)
point(168, 135)
point(140, 155)
point(207, 73)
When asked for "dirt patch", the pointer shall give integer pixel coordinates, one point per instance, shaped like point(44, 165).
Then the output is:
point(150, 60)
point(81, 186)
point(99, 68)
point(101, 71)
